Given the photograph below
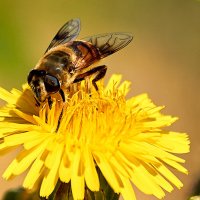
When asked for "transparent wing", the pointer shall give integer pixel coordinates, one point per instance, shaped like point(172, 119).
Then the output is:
point(68, 32)
point(109, 43)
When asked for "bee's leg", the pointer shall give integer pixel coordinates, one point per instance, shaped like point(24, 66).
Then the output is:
point(60, 117)
point(80, 78)
point(88, 85)
point(37, 102)
point(50, 102)
point(62, 94)
point(100, 72)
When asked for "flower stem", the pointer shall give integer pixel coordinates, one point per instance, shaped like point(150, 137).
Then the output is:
point(63, 191)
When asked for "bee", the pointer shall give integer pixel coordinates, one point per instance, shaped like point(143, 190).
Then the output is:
point(68, 61)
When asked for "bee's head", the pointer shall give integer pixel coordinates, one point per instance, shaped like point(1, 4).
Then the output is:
point(42, 84)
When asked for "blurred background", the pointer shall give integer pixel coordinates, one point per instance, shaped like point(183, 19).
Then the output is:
point(163, 59)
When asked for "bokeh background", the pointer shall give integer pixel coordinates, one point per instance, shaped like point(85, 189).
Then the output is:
point(163, 59)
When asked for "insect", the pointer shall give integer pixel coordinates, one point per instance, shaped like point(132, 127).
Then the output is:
point(67, 61)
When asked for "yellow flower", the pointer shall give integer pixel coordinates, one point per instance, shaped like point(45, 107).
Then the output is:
point(123, 138)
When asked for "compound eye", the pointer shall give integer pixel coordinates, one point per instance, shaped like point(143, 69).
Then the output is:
point(30, 76)
point(51, 84)
point(37, 73)
point(41, 73)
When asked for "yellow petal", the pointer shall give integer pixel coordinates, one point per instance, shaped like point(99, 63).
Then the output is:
point(50, 180)
point(127, 191)
point(174, 142)
point(91, 176)
point(77, 178)
point(33, 174)
point(114, 81)
point(65, 169)
point(169, 175)
point(124, 87)
point(9, 171)
point(107, 171)
point(175, 165)
point(28, 118)
point(7, 96)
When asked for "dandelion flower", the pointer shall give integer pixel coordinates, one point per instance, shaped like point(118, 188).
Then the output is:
point(124, 139)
